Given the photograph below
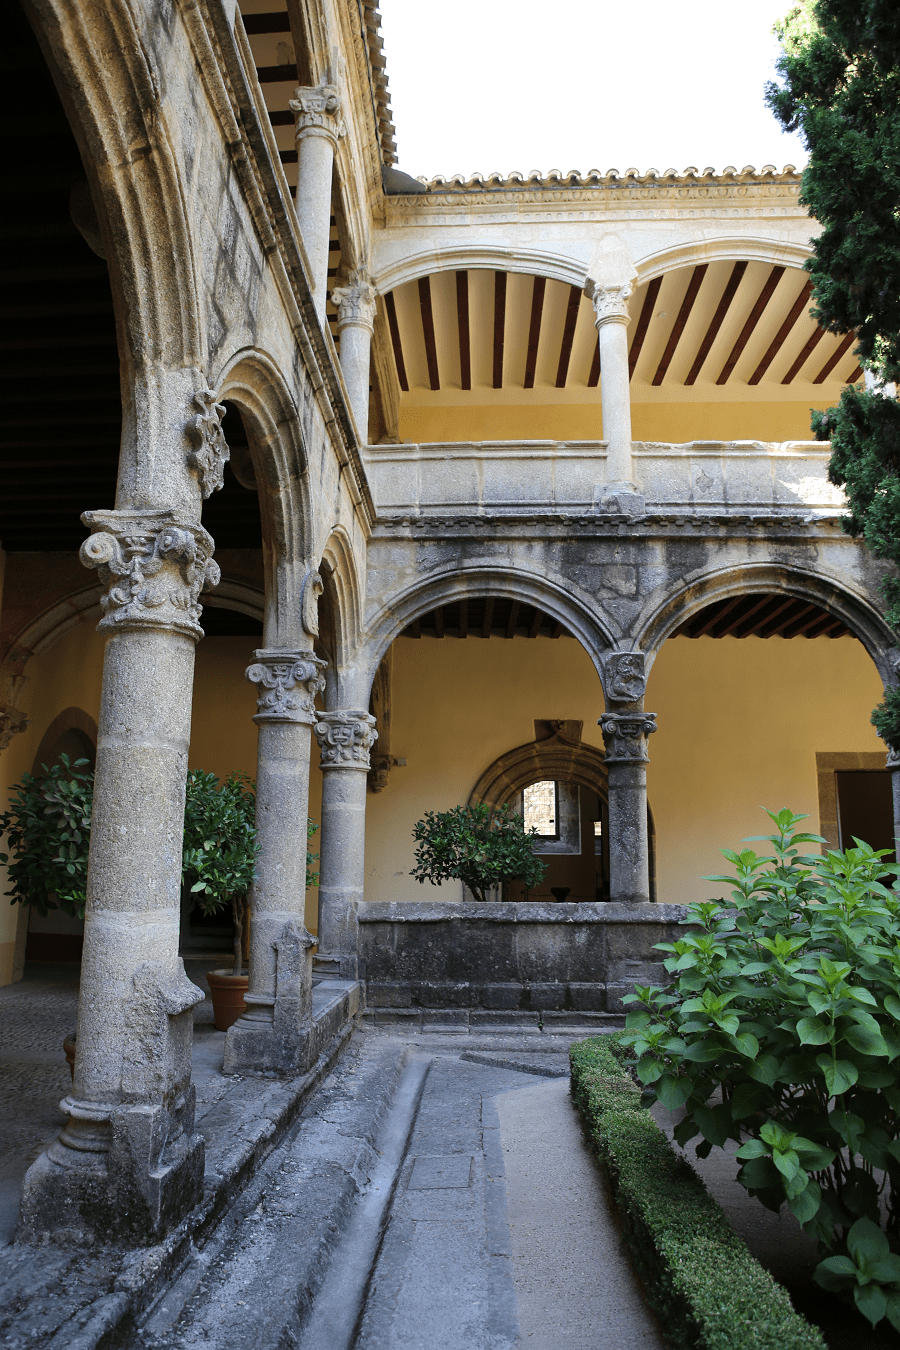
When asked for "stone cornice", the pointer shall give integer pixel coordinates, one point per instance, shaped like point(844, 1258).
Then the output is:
point(654, 524)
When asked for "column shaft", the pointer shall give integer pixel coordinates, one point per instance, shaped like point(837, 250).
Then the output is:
point(356, 320)
point(612, 337)
point(625, 737)
point(319, 127)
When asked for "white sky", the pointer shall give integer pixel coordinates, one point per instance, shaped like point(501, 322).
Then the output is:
point(487, 85)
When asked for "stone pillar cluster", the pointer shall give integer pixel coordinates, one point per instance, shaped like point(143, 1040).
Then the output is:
point(626, 730)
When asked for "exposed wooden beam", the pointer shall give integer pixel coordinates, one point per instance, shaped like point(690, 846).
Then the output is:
point(821, 629)
point(463, 618)
point(568, 337)
point(767, 627)
point(852, 378)
point(558, 629)
point(781, 336)
point(281, 117)
point(397, 345)
point(534, 329)
point(488, 618)
point(415, 628)
point(499, 326)
point(640, 332)
point(513, 618)
point(833, 359)
point(786, 623)
point(438, 621)
point(462, 317)
point(266, 23)
point(684, 314)
point(425, 305)
point(741, 627)
point(712, 332)
point(801, 623)
point(535, 626)
point(802, 358)
point(594, 376)
point(277, 74)
point(753, 319)
point(713, 619)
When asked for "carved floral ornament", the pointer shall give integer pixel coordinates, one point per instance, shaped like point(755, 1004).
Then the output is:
point(356, 301)
point(210, 453)
point(611, 303)
point(318, 112)
point(625, 736)
point(624, 677)
point(288, 683)
point(154, 567)
point(345, 739)
point(11, 723)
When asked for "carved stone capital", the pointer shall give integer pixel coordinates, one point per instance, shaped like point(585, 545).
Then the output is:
point(210, 453)
point(318, 112)
point(625, 736)
point(11, 723)
point(313, 586)
point(288, 683)
point(356, 301)
point(380, 771)
point(624, 677)
point(892, 765)
point(611, 303)
point(345, 739)
point(153, 566)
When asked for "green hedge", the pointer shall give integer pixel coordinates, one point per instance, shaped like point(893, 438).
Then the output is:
point(707, 1290)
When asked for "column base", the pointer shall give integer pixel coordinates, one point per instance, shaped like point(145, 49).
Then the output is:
point(120, 1174)
point(274, 1035)
point(336, 965)
point(619, 499)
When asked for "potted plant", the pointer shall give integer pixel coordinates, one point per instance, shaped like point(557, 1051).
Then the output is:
point(478, 845)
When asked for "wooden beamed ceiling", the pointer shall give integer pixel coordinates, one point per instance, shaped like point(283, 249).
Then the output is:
point(724, 323)
point(762, 616)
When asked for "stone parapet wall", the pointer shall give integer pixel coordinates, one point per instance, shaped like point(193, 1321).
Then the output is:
point(525, 957)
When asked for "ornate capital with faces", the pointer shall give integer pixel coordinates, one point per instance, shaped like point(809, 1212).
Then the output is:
point(11, 723)
point(625, 736)
point(287, 683)
point(154, 567)
point(345, 739)
point(356, 301)
point(318, 112)
point(624, 677)
point(210, 453)
point(611, 304)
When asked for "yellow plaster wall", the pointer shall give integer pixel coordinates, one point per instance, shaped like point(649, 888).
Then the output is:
point(739, 725)
point(668, 422)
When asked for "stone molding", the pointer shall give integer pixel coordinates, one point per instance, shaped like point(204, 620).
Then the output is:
point(210, 453)
point(625, 736)
point(624, 677)
point(611, 304)
point(153, 566)
point(11, 723)
point(318, 112)
point(288, 683)
point(345, 739)
point(356, 302)
point(313, 586)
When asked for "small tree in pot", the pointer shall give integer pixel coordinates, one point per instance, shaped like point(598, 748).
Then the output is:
point(220, 847)
point(478, 845)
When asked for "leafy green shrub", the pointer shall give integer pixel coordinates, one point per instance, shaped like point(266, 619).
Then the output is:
point(700, 1279)
point(780, 1031)
point(220, 847)
point(478, 846)
point(48, 828)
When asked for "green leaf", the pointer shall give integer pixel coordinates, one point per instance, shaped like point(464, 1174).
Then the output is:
point(805, 1205)
point(871, 1301)
point(840, 1074)
point(866, 1041)
point(814, 1032)
point(673, 1092)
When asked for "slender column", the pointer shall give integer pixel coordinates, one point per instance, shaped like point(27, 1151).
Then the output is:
point(273, 1033)
point(893, 766)
point(319, 128)
point(611, 321)
point(128, 1162)
point(345, 739)
point(356, 323)
point(625, 736)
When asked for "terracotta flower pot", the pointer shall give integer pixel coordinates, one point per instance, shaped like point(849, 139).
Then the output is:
point(227, 996)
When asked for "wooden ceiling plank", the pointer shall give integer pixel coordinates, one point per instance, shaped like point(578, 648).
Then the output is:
point(513, 619)
point(277, 74)
point(781, 336)
point(719, 612)
point(712, 332)
point(741, 628)
point(773, 625)
point(820, 629)
point(809, 617)
point(427, 309)
point(802, 358)
point(438, 613)
point(558, 629)
point(488, 617)
point(753, 319)
point(462, 316)
point(499, 326)
point(852, 378)
point(271, 22)
point(678, 327)
point(594, 376)
point(836, 356)
point(396, 343)
point(415, 628)
point(536, 619)
point(640, 332)
point(568, 337)
point(534, 329)
point(463, 618)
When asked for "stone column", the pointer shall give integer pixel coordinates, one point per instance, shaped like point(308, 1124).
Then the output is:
point(611, 321)
point(345, 739)
point(893, 766)
point(128, 1163)
point(356, 323)
point(273, 1033)
point(625, 735)
point(319, 128)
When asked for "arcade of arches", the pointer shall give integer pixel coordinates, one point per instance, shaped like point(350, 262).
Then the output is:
point(332, 476)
